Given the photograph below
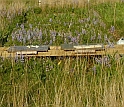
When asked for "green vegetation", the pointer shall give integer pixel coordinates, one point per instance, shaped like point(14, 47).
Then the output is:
point(61, 82)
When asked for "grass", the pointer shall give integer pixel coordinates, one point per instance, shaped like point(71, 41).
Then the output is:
point(29, 84)
point(61, 82)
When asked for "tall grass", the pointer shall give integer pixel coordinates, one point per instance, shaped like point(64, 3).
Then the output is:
point(69, 83)
point(61, 82)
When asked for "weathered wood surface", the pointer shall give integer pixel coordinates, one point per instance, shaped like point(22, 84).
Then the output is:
point(58, 51)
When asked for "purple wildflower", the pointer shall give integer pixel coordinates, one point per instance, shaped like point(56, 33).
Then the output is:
point(13, 36)
point(17, 25)
point(112, 29)
point(50, 43)
point(94, 69)
point(99, 36)
point(104, 60)
point(40, 34)
point(96, 14)
point(93, 37)
point(30, 25)
point(24, 40)
point(88, 19)
point(105, 37)
point(110, 45)
point(98, 60)
point(53, 33)
point(29, 37)
point(102, 24)
point(22, 26)
point(50, 20)
point(73, 39)
point(83, 31)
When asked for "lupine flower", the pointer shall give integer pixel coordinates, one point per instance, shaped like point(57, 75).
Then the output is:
point(86, 25)
point(105, 37)
point(96, 14)
point(30, 25)
point(73, 39)
point(95, 21)
point(102, 24)
point(69, 38)
point(24, 40)
point(104, 60)
point(54, 38)
point(24, 32)
point(99, 36)
point(98, 60)
point(70, 24)
point(31, 34)
point(93, 37)
point(53, 33)
point(34, 34)
point(88, 19)
point(112, 29)
point(83, 31)
point(81, 21)
point(13, 37)
point(40, 34)
point(94, 69)
point(20, 33)
point(50, 20)
point(22, 26)
point(50, 43)
point(65, 40)
point(110, 45)
point(29, 37)
point(17, 25)
point(51, 67)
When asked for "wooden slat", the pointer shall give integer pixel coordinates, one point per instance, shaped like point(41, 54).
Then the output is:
point(88, 47)
point(85, 51)
point(26, 52)
point(57, 51)
point(55, 47)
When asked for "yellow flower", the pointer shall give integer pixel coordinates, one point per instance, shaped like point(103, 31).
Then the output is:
point(59, 62)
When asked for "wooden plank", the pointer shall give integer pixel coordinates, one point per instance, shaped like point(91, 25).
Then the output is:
point(85, 51)
point(89, 47)
point(26, 52)
point(55, 47)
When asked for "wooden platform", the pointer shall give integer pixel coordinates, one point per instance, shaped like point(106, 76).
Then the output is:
point(58, 51)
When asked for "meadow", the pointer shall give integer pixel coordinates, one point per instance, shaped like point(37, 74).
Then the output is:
point(61, 81)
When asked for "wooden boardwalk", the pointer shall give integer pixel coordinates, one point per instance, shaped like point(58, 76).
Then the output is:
point(58, 51)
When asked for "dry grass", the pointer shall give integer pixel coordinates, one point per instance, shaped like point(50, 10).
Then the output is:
point(19, 4)
point(16, 5)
